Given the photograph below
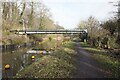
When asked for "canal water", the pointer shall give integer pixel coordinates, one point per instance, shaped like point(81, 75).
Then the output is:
point(19, 59)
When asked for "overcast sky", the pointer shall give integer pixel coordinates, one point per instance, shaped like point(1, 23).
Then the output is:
point(69, 13)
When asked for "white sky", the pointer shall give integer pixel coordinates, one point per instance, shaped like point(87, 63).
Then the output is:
point(69, 13)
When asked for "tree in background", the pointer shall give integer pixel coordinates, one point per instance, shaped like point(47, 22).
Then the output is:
point(92, 25)
point(118, 22)
point(31, 15)
point(111, 26)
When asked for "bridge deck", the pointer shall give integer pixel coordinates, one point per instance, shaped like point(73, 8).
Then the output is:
point(48, 31)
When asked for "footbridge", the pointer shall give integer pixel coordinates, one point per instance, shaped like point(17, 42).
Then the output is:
point(22, 32)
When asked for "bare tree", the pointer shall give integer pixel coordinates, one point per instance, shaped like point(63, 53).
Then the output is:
point(23, 9)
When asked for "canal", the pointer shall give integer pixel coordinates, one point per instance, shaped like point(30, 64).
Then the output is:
point(19, 59)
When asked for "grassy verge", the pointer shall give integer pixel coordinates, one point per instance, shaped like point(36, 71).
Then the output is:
point(109, 64)
point(103, 57)
point(84, 44)
point(57, 65)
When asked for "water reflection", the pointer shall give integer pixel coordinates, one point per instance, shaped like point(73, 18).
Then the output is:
point(17, 63)
point(19, 59)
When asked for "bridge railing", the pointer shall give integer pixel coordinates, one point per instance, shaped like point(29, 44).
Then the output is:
point(47, 31)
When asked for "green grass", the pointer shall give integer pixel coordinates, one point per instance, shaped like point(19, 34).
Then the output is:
point(84, 44)
point(87, 47)
point(109, 63)
point(57, 65)
point(95, 50)
point(101, 55)
point(47, 67)
point(69, 44)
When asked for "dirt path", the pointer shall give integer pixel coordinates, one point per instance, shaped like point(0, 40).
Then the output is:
point(88, 67)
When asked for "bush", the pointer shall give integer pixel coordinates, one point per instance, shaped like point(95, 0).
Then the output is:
point(112, 43)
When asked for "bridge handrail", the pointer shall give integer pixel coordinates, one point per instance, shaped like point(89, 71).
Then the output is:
point(46, 31)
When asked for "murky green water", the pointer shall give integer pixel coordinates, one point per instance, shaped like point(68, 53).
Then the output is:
point(19, 59)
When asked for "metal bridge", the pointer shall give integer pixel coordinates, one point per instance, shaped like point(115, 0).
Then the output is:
point(22, 32)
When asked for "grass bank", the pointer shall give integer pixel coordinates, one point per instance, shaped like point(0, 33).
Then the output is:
point(57, 65)
point(111, 64)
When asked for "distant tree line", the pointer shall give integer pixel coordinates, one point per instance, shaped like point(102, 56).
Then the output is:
point(104, 34)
